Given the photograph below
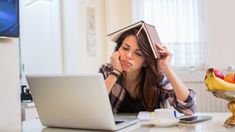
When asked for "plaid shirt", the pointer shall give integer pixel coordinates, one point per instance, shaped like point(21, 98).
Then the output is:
point(118, 93)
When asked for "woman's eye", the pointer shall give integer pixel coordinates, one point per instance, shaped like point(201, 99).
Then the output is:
point(124, 48)
point(139, 54)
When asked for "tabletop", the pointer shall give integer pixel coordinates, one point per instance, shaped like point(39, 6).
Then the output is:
point(214, 125)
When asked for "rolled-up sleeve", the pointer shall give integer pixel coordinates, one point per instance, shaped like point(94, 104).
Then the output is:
point(187, 107)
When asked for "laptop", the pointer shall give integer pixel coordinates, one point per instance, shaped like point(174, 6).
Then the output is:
point(75, 101)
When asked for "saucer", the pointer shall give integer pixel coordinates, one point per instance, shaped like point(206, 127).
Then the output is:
point(160, 123)
point(166, 123)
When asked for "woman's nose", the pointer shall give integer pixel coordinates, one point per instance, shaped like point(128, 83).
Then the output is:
point(129, 55)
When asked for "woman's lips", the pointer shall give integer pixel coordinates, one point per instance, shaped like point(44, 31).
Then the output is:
point(126, 63)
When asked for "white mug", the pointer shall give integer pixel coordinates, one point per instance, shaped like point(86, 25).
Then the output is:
point(164, 114)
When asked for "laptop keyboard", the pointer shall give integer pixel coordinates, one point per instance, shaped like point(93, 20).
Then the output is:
point(118, 122)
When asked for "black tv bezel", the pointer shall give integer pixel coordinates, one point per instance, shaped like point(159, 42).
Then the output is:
point(17, 35)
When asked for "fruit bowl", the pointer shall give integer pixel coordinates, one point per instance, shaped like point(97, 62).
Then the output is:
point(226, 95)
point(223, 90)
point(230, 97)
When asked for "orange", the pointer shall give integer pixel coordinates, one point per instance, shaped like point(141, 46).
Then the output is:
point(230, 77)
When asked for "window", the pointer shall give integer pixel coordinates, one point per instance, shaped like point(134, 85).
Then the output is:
point(181, 25)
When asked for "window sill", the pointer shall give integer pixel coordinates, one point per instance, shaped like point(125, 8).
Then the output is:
point(192, 76)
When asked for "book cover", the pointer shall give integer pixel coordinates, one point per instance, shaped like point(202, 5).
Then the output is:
point(150, 31)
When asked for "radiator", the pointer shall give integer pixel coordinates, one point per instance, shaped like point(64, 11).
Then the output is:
point(206, 101)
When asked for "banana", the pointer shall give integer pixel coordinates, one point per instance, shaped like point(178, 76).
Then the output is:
point(214, 83)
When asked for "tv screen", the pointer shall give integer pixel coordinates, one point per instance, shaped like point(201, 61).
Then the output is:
point(9, 18)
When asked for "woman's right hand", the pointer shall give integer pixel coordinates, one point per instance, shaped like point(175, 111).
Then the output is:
point(115, 61)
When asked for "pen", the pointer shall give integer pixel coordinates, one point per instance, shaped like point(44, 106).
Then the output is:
point(175, 114)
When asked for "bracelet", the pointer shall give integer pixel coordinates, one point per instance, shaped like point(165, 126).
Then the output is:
point(114, 74)
point(117, 70)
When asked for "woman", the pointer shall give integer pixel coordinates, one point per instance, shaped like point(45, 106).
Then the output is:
point(136, 81)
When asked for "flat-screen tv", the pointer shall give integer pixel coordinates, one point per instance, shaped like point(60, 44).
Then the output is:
point(9, 18)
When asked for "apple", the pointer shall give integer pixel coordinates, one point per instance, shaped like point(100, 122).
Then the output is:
point(218, 73)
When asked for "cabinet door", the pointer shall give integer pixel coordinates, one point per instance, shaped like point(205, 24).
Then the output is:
point(40, 39)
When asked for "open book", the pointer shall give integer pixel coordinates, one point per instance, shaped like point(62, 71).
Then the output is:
point(150, 31)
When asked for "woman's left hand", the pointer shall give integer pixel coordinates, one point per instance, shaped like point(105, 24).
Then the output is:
point(165, 59)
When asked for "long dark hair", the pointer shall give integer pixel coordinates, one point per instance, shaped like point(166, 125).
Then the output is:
point(148, 88)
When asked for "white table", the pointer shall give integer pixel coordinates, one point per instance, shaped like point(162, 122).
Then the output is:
point(214, 125)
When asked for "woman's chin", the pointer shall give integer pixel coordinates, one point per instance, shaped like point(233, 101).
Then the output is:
point(126, 69)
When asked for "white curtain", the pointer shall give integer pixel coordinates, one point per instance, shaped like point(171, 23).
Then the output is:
point(181, 25)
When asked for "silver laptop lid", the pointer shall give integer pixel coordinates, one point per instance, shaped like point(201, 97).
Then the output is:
point(72, 101)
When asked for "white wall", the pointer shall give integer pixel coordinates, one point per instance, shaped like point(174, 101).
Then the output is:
point(118, 15)
point(110, 15)
point(77, 59)
point(66, 23)
point(9, 82)
point(221, 31)
point(40, 33)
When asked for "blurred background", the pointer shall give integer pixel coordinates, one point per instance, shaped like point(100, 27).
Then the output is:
point(70, 36)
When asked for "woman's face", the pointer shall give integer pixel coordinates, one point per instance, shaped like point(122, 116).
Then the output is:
point(131, 57)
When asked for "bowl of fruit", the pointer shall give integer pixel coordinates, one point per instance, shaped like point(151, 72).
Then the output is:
point(222, 87)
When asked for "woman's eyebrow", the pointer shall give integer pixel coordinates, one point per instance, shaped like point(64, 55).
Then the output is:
point(127, 44)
